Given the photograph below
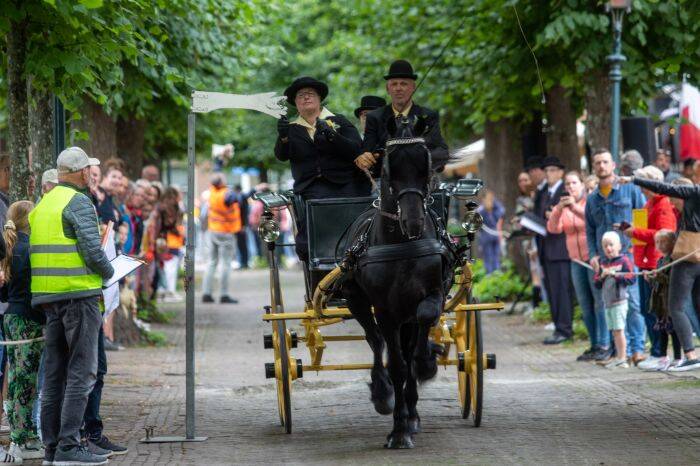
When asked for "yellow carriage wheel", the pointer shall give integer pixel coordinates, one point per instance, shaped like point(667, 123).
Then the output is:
point(474, 367)
point(460, 337)
point(283, 375)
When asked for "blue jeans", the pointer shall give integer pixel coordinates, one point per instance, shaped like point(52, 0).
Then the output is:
point(591, 301)
point(634, 332)
point(36, 409)
point(649, 318)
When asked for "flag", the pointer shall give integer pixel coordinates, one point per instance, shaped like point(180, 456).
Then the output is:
point(690, 122)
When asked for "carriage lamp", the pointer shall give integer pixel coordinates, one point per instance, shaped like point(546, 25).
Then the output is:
point(472, 222)
point(269, 230)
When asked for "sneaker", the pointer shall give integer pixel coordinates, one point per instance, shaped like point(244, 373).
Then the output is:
point(675, 363)
point(48, 457)
point(7, 458)
point(587, 355)
point(207, 298)
point(550, 327)
point(77, 456)
point(112, 346)
point(603, 354)
point(688, 365)
point(617, 364)
point(104, 443)
point(650, 363)
point(637, 358)
point(95, 449)
point(228, 300)
point(32, 450)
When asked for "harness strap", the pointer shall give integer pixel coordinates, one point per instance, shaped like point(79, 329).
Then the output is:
point(401, 251)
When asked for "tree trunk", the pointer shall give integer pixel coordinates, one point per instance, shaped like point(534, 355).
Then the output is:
point(40, 134)
point(561, 132)
point(597, 100)
point(101, 131)
point(130, 142)
point(17, 109)
point(502, 161)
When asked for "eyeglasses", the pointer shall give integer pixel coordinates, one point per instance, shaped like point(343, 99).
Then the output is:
point(306, 94)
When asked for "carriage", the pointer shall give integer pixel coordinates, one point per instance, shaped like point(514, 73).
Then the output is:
point(458, 330)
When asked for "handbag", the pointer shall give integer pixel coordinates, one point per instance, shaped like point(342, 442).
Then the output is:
point(687, 243)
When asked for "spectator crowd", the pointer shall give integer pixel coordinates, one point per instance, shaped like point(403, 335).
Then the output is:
point(51, 390)
point(623, 243)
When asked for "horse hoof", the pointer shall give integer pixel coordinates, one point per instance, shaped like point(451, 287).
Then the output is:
point(384, 406)
point(425, 369)
point(414, 426)
point(399, 441)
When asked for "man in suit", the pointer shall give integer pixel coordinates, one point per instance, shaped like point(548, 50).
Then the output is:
point(554, 255)
point(321, 148)
point(400, 85)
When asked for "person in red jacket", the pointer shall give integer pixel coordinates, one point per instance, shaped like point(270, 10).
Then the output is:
point(660, 216)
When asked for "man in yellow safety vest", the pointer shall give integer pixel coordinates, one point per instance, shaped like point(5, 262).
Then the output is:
point(68, 266)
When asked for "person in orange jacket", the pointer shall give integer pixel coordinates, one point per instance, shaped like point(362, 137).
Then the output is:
point(224, 221)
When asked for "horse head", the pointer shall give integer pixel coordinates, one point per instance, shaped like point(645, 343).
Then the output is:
point(406, 173)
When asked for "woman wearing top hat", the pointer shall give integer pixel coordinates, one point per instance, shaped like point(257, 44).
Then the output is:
point(321, 148)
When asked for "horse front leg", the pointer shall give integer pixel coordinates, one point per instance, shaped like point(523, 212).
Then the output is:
point(400, 436)
point(409, 332)
point(381, 391)
point(425, 353)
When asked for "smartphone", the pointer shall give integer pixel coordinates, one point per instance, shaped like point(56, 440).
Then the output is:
point(622, 226)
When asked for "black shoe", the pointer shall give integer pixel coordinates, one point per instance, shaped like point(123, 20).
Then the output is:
point(602, 354)
point(587, 355)
point(207, 298)
point(555, 339)
point(104, 443)
point(228, 300)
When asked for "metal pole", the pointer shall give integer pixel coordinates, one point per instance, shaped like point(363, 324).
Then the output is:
point(189, 273)
point(616, 60)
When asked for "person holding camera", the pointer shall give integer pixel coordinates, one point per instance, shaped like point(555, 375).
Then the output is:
point(321, 148)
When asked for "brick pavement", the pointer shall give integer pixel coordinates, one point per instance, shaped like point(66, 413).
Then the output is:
point(541, 407)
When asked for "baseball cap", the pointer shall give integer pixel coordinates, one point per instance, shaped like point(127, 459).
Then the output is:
point(50, 176)
point(74, 159)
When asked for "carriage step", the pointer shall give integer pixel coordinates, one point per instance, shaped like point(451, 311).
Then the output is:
point(267, 340)
point(490, 361)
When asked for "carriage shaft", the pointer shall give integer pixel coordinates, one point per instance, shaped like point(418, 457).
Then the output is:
point(359, 367)
point(345, 312)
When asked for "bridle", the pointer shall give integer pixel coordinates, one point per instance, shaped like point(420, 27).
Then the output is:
point(424, 193)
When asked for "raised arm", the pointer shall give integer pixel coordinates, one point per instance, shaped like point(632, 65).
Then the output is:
point(677, 191)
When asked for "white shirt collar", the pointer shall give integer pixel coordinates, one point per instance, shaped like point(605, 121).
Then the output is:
point(554, 188)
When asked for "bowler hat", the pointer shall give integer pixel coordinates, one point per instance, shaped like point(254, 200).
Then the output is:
point(533, 162)
point(552, 161)
point(369, 102)
point(401, 69)
point(301, 83)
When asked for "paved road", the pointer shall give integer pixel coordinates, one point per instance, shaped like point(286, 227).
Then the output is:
point(540, 407)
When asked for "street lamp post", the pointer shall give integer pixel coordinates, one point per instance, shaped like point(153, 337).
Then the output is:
point(617, 9)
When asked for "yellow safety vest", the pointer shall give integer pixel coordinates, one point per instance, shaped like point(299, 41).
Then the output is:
point(57, 266)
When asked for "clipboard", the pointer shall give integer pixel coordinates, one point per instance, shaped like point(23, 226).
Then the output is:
point(123, 265)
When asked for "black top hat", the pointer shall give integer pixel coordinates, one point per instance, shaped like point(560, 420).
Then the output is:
point(552, 161)
point(369, 102)
point(533, 162)
point(301, 83)
point(401, 69)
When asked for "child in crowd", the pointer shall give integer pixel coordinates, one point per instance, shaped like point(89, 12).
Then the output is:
point(658, 303)
point(614, 276)
point(21, 322)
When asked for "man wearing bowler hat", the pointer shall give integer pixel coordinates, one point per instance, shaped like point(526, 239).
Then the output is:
point(321, 148)
point(367, 104)
point(400, 85)
point(554, 256)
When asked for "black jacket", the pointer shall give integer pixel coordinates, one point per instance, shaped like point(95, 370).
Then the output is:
point(17, 291)
point(376, 134)
point(690, 220)
point(325, 157)
point(553, 246)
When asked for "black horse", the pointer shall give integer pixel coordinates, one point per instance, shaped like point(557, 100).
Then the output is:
point(402, 270)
